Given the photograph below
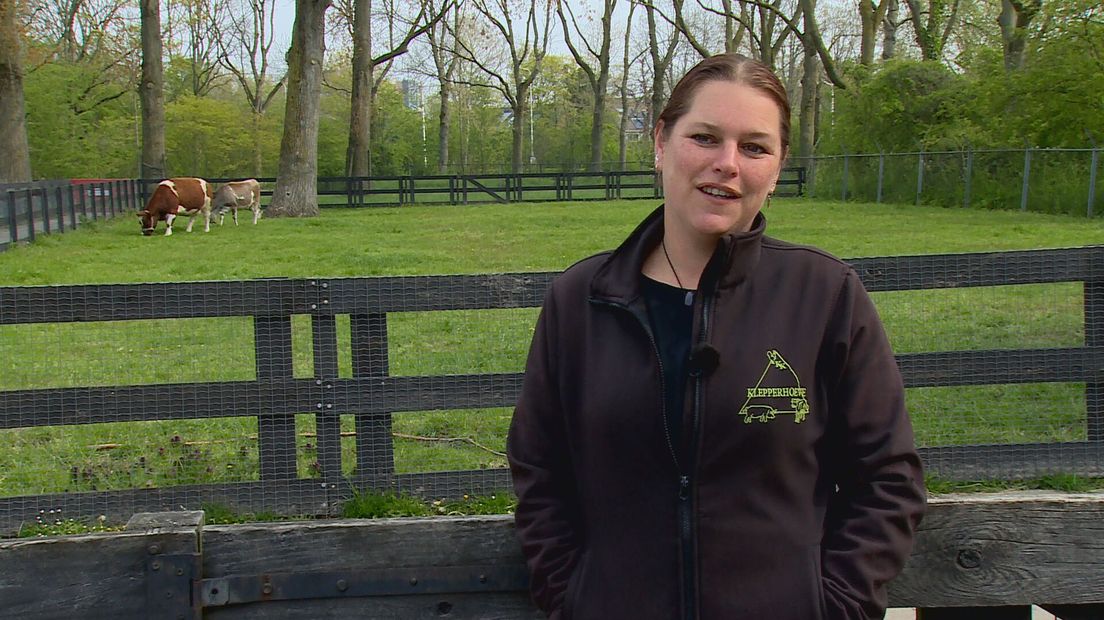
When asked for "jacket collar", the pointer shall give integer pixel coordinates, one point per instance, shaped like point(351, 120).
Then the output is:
point(618, 278)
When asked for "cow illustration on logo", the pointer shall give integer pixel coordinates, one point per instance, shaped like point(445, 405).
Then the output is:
point(778, 392)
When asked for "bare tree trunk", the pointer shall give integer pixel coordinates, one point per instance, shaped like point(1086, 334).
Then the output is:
point(258, 162)
point(358, 156)
point(152, 93)
point(871, 16)
point(889, 29)
point(15, 164)
point(296, 193)
point(623, 129)
point(810, 77)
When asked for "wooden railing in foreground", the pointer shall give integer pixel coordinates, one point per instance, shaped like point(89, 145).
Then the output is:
point(980, 556)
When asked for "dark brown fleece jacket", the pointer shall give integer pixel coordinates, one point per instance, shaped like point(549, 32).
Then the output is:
point(797, 489)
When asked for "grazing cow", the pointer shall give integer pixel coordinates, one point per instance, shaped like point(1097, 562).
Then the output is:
point(178, 196)
point(235, 195)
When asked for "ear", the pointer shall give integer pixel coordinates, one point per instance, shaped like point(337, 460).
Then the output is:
point(659, 141)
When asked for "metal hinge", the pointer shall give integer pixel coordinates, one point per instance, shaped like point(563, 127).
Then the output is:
point(169, 586)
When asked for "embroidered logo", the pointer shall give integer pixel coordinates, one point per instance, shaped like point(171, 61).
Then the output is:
point(778, 392)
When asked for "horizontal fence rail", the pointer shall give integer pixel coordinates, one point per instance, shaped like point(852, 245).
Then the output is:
point(373, 395)
point(458, 189)
point(979, 556)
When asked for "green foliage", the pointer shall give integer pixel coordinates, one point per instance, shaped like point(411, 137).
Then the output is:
point(367, 505)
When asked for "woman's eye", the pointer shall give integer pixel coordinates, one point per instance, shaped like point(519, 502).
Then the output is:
point(702, 138)
point(755, 148)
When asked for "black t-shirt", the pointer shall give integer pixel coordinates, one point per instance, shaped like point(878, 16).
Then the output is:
point(672, 320)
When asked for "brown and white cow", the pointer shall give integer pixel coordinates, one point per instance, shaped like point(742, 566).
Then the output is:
point(236, 195)
point(177, 196)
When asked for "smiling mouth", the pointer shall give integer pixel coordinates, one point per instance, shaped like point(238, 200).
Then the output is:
point(718, 192)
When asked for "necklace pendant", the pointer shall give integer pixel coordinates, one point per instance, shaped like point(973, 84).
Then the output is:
point(689, 301)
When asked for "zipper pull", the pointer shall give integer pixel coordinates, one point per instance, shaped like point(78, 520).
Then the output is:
point(684, 487)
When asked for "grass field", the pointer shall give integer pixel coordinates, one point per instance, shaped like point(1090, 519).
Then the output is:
point(476, 239)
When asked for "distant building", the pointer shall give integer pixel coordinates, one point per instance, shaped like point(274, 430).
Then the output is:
point(412, 94)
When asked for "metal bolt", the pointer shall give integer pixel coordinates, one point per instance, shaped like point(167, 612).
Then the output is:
point(969, 558)
point(168, 594)
point(318, 382)
point(342, 585)
point(482, 579)
point(314, 306)
point(413, 581)
point(154, 549)
point(318, 405)
point(155, 566)
point(325, 301)
point(325, 285)
point(329, 405)
point(179, 572)
point(266, 588)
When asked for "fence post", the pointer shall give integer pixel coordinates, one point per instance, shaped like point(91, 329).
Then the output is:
point(84, 203)
point(1094, 337)
point(969, 177)
point(1092, 181)
point(1026, 176)
point(844, 179)
point(276, 433)
point(374, 447)
point(46, 224)
point(13, 219)
point(72, 206)
point(327, 421)
point(881, 173)
point(60, 208)
point(919, 175)
point(28, 194)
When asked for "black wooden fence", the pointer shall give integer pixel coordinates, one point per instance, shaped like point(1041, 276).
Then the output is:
point(45, 207)
point(372, 393)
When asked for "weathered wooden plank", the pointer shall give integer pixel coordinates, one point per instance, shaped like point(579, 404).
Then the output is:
point(169, 300)
point(978, 269)
point(387, 394)
point(93, 576)
point(425, 293)
point(1007, 549)
point(165, 401)
point(957, 368)
point(404, 544)
point(1012, 461)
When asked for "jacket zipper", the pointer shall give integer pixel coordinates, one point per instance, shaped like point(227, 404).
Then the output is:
point(687, 535)
point(685, 491)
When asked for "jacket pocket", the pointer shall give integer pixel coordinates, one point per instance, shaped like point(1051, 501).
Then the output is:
point(573, 586)
point(822, 603)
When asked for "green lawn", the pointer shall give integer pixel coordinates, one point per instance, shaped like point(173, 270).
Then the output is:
point(476, 239)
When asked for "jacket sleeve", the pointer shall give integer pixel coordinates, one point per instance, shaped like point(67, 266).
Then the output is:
point(873, 516)
point(540, 462)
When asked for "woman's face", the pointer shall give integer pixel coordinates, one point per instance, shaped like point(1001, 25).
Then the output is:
point(720, 160)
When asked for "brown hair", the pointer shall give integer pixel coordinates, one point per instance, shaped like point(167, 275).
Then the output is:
point(729, 67)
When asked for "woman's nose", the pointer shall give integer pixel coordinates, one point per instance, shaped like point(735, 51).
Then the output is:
point(728, 159)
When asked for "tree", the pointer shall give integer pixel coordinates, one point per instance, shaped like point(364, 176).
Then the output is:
point(525, 57)
point(661, 55)
point(152, 93)
point(15, 165)
point(358, 160)
point(871, 16)
point(442, 43)
point(598, 76)
point(296, 192)
point(932, 24)
point(202, 25)
point(623, 90)
point(244, 52)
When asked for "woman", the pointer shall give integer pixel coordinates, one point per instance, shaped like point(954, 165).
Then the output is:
point(712, 424)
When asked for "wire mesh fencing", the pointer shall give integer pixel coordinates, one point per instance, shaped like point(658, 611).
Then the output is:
point(1063, 181)
point(284, 396)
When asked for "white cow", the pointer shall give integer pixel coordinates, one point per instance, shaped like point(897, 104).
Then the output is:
point(235, 195)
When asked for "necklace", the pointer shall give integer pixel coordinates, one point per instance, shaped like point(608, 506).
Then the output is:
point(689, 301)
